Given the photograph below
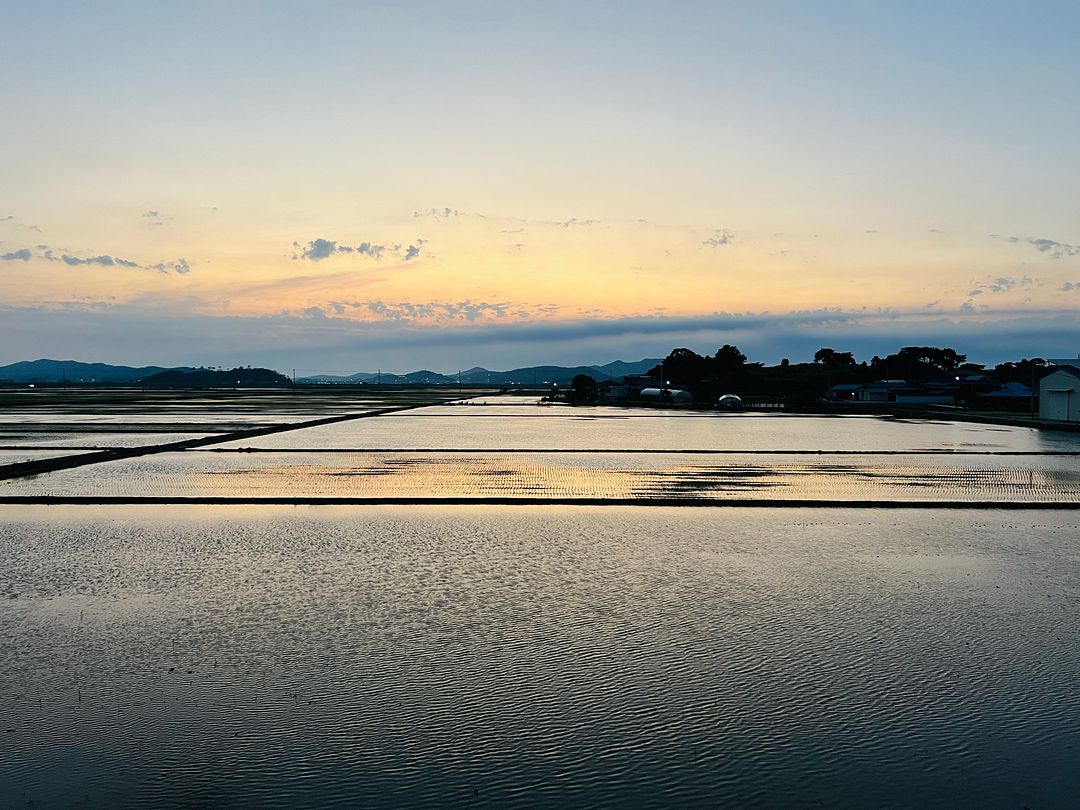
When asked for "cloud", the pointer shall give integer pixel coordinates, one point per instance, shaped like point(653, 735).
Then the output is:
point(102, 260)
point(439, 213)
point(1070, 286)
point(1049, 247)
point(14, 220)
point(123, 333)
point(369, 249)
point(318, 249)
point(156, 218)
point(1055, 249)
point(720, 238)
point(433, 312)
point(181, 266)
point(1001, 284)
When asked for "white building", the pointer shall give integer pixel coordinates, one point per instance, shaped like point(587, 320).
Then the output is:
point(1059, 395)
point(675, 396)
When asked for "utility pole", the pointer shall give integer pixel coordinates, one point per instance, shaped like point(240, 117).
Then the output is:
point(1032, 390)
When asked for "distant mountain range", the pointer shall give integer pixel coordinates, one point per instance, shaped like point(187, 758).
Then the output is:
point(73, 371)
point(530, 375)
point(28, 371)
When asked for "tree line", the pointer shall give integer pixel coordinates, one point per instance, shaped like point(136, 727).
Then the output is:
point(728, 370)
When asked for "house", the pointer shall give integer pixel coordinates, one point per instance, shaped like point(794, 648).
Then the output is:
point(612, 390)
point(846, 392)
point(1012, 396)
point(1010, 390)
point(1059, 394)
point(926, 395)
point(881, 391)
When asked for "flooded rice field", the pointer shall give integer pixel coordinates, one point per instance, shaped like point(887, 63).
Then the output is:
point(644, 477)
point(14, 455)
point(134, 418)
point(509, 648)
point(544, 427)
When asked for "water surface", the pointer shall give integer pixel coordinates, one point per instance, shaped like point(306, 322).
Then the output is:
point(487, 657)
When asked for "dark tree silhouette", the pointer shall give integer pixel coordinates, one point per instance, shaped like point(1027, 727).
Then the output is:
point(729, 358)
point(920, 362)
point(1023, 371)
point(583, 388)
point(682, 367)
point(831, 357)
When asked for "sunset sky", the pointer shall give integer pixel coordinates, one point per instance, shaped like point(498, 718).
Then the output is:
point(349, 186)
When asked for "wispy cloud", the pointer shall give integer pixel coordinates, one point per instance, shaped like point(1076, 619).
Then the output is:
point(1055, 249)
point(45, 253)
point(181, 266)
point(1049, 247)
point(1001, 284)
point(156, 218)
point(438, 213)
point(434, 312)
point(17, 225)
point(719, 238)
point(101, 261)
point(318, 249)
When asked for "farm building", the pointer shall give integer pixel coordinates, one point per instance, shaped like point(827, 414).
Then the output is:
point(1059, 395)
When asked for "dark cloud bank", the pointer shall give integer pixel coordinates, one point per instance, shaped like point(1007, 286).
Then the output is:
point(321, 341)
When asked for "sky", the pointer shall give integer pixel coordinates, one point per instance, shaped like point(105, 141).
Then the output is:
point(335, 187)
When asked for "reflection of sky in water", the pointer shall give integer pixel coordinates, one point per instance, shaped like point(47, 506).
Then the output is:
point(586, 657)
point(555, 427)
point(814, 476)
point(92, 438)
point(18, 456)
